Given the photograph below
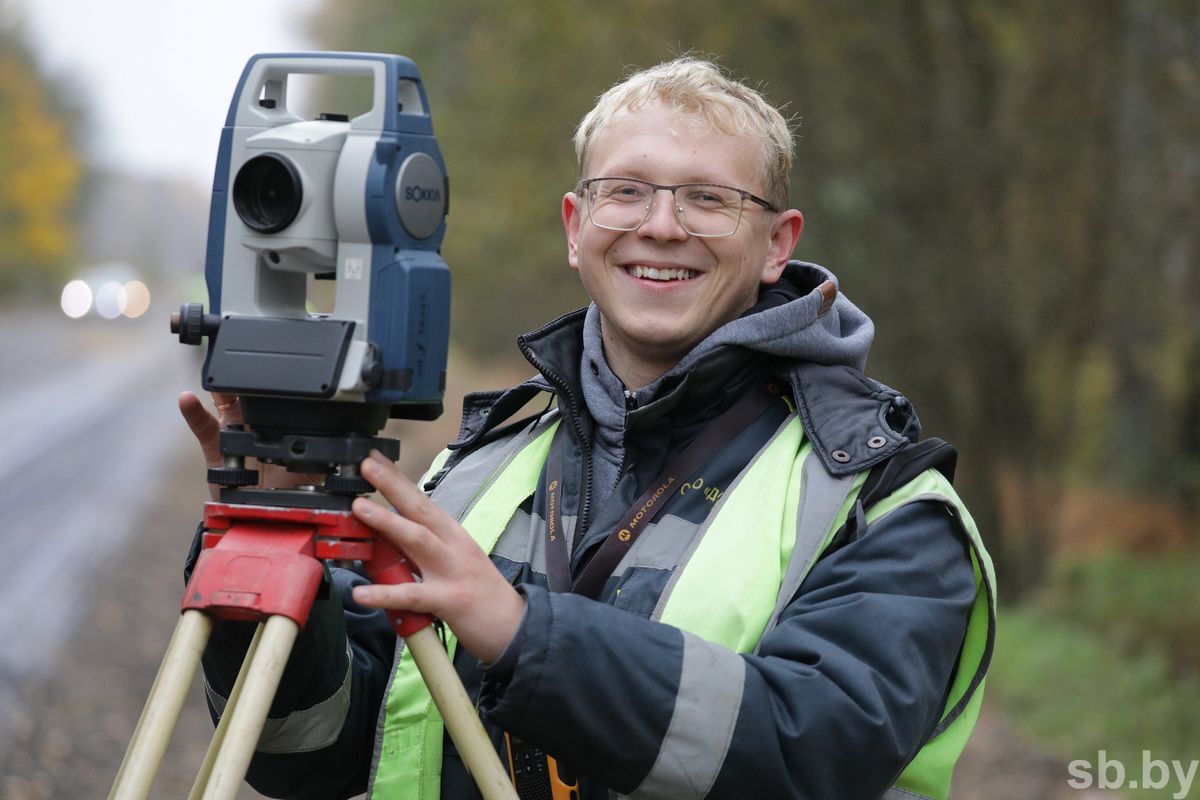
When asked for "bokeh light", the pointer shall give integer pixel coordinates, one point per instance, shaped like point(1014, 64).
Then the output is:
point(137, 299)
point(110, 300)
point(76, 299)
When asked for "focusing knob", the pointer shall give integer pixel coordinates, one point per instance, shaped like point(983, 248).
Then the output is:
point(232, 476)
point(338, 484)
point(192, 324)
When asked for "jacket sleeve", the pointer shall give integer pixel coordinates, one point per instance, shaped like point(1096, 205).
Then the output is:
point(320, 730)
point(841, 695)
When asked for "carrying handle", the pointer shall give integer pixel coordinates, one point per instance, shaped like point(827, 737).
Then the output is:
point(398, 103)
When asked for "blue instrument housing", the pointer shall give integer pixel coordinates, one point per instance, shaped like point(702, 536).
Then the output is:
point(384, 196)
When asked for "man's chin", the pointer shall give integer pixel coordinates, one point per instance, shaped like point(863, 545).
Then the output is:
point(662, 345)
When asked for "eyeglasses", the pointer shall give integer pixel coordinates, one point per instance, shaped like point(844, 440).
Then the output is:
point(703, 209)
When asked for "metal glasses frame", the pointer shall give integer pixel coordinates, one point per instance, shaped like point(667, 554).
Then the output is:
point(582, 187)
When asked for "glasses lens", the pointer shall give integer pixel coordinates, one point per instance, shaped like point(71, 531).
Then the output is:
point(619, 204)
point(707, 210)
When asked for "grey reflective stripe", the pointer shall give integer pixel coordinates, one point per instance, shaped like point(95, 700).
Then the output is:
point(672, 537)
point(524, 542)
point(305, 730)
point(706, 711)
point(821, 497)
point(521, 541)
point(475, 473)
point(524, 539)
point(661, 605)
point(896, 793)
point(377, 751)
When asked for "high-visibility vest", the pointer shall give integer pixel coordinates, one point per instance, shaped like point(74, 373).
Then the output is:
point(761, 574)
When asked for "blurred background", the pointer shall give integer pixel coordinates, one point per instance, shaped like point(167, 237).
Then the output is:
point(1011, 190)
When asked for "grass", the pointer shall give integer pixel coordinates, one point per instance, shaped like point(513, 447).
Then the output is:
point(1108, 658)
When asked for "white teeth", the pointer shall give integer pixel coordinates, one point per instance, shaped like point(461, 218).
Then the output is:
point(655, 274)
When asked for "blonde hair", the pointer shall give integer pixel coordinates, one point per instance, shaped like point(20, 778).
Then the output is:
point(700, 90)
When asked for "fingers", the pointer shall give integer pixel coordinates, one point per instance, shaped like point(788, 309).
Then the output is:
point(405, 497)
point(413, 597)
point(416, 541)
point(229, 407)
point(458, 583)
point(204, 427)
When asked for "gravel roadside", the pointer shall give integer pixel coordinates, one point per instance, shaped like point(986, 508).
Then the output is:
point(76, 720)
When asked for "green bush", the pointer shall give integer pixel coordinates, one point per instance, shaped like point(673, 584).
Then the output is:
point(1134, 602)
point(1106, 659)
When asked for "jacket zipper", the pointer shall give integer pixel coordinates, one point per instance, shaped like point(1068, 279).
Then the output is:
point(563, 388)
point(631, 404)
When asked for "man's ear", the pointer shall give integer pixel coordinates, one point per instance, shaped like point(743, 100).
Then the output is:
point(785, 233)
point(572, 217)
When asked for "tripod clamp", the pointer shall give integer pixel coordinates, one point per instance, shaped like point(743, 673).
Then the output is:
point(300, 453)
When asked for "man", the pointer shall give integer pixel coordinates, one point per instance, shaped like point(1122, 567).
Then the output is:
point(671, 582)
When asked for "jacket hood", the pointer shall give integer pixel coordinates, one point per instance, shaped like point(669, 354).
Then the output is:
point(802, 317)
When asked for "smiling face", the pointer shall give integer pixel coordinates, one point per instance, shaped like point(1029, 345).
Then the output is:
point(661, 291)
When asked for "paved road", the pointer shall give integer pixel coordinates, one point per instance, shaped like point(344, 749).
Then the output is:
point(87, 423)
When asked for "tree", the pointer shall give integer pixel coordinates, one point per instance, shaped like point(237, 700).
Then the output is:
point(1007, 189)
point(40, 172)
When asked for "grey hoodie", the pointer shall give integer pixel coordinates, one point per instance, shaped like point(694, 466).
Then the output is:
point(785, 323)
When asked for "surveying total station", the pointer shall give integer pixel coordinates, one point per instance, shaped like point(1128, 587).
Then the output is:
point(362, 202)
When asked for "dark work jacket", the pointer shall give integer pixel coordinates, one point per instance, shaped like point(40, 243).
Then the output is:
point(840, 695)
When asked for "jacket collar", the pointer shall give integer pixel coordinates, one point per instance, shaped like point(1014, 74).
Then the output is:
point(716, 379)
point(555, 350)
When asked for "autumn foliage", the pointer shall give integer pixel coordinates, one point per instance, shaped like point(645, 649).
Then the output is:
point(40, 175)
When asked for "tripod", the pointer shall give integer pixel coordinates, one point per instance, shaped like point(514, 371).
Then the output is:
point(264, 563)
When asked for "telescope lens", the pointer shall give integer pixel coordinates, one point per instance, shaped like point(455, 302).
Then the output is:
point(267, 193)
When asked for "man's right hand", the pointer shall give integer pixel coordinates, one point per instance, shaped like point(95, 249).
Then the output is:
point(207, 430)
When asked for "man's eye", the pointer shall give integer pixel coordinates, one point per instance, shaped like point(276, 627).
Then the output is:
point(627, 191)
point(706, 197)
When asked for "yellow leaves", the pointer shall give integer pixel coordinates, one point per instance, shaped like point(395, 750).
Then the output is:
point(40, 172)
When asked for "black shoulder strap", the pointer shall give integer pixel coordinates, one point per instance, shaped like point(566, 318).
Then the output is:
point(888, 476)
point(908, 463)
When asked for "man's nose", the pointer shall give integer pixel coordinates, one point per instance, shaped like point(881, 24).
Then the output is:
point(663, 222)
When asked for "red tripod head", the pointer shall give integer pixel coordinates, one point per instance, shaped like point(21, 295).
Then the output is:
point(260, 561)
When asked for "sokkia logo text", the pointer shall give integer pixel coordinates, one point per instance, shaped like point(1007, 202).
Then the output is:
point(1109, 773)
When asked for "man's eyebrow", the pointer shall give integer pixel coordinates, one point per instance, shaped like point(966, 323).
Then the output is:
point(652, 177)
point(621, 171)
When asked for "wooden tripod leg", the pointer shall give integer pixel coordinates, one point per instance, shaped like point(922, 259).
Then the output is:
point(163, 706)
point(459, 715)
point(250, 714)
point(218, 738)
